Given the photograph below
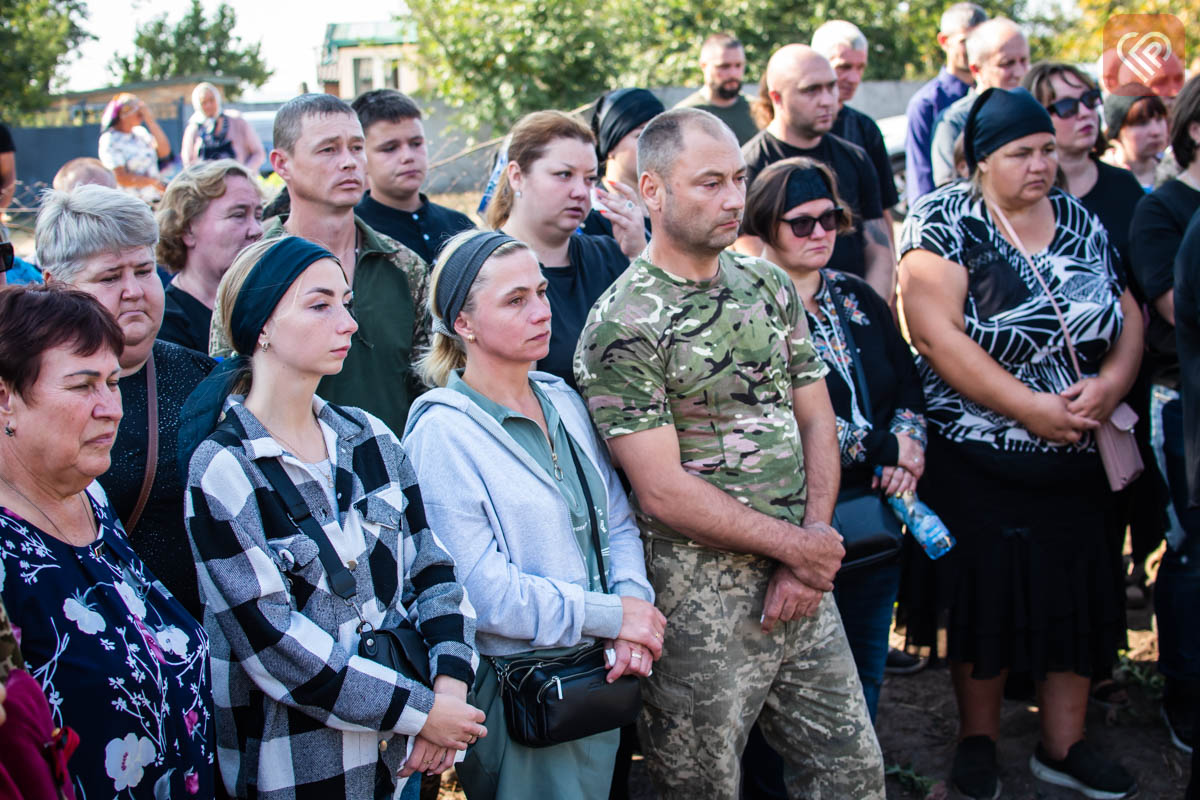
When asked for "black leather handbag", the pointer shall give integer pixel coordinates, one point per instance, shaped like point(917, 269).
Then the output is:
point(556, 699)
point(401, 648)
point(870, 531)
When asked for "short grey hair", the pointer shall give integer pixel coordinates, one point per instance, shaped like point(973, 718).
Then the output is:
point(836, 33)
point(961, 17)
point(88, 221)
point(661, 141)
point(986, 37)
point(198, 96)
point(289, 119)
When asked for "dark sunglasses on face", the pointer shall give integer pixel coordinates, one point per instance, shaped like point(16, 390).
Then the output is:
point(6, 256)
point(1069, 106)
point(803, 226)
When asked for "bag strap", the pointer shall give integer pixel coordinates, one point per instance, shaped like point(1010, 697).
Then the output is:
point(151, 445)
point(860, 375)
point(587, 495)
point(1012, 234)
point(341, 581)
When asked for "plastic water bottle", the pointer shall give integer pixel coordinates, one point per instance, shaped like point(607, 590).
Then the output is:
point(923, 524)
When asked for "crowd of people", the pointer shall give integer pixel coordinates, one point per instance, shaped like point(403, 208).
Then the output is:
point(297, 500)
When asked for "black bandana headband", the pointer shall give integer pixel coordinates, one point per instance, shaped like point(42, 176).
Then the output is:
point(459, 272)
point(1000, 116)
point(806, 184)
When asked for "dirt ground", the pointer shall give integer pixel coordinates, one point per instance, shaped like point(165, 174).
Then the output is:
point(917, 725)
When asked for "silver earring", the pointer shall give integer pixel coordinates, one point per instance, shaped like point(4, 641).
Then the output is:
point(265, 346)
point(8, 430)
point(470, 338)
point(517, 193)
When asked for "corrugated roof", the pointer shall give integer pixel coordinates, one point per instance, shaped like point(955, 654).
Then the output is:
point(357, 34)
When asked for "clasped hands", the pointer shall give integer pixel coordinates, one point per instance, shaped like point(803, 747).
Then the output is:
point(796, 585)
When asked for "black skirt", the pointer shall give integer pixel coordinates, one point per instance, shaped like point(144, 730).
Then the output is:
point(1034, 584)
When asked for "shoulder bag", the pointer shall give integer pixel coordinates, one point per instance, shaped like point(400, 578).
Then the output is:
point(870, 531)
point(1114, 438)
point(402, 647)
point(551, 700)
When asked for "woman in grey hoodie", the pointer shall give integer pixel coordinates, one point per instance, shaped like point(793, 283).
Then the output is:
point(493, 451)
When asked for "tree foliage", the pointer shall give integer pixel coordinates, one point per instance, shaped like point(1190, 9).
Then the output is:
point(498, 59)
point(35, 38)
point(1083, 39)
point(195, 45)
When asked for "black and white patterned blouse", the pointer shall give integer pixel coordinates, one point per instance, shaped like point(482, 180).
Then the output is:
point(1008, 314)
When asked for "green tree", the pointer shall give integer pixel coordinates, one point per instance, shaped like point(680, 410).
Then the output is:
point(35, 38)
point(193, 46)
point(496, 60)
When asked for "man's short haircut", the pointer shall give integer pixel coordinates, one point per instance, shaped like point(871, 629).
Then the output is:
point(837, 33)
point(984, 38)
point(661, 142)
point(384, 105)
point(88, 221)
point(1183, 114)
point(82, 171)
point(961, 17)
point(723, 40)
point(289, 119)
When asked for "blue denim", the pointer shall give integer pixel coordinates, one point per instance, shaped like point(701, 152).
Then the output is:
point(412, 789)
point(865, 599)
point(1177, 590)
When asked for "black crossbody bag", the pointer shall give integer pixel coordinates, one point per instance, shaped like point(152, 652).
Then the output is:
point(551, 700)
point(402, 647)
point(870, 531)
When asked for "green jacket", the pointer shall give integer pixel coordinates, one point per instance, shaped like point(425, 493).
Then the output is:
point(391, 290)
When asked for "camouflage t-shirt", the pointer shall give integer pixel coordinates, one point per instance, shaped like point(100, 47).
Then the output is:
point(718, 360)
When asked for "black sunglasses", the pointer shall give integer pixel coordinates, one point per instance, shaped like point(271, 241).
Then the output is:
point(1069, 106)
point(6, 256)
point(803, 226)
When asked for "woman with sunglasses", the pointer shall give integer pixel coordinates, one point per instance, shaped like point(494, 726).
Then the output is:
point(994, 271)
point(794, 207)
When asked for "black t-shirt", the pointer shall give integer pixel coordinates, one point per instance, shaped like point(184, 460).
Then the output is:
point(857, 183)
point(857, 128)
point(1113, 199)
point(6, 140)
point(1159, 222)
point(160, 537)
point(423, 231)
point(596, 261)
point(186, 320)
point(1187, 336)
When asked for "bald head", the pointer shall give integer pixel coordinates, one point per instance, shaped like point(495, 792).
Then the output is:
point(998, 54)
point(803, 91)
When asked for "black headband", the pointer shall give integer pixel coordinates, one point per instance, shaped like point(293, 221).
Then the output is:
point(805, 184)
point(999, 116)
point(265, 285)
point(618, 113)
point(460, 270)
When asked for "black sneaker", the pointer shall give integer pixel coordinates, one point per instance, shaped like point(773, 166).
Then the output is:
point(902, 663)
point(975, 774)
point(1086, 771)
point(1183, 732)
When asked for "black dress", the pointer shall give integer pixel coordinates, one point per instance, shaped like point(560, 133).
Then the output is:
point(595, 262)
point(159, 538)
point(186, 321)
point(1031, 584)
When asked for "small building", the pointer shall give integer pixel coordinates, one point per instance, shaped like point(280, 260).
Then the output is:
point(165, 97)
point(359, 56)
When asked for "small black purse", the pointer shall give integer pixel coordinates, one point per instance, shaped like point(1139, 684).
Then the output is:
point(870, 531)
point(551, 700)
point(401, 648)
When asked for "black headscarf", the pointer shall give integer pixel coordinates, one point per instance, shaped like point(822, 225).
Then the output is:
point(459, 272)
point(619, 112)
point(265, 285)
point(999, 116)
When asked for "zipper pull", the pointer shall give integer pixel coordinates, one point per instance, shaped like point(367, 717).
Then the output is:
point(558, 473)
point(558, 685)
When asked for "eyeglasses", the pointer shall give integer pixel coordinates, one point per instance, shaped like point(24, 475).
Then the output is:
point(1069, 106)
point(803, 226)
point(7, 256)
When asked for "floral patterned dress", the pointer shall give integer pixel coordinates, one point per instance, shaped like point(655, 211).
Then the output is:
point(120, 660)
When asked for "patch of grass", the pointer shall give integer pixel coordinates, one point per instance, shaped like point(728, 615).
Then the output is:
point(909, 779)
point(1143, 674)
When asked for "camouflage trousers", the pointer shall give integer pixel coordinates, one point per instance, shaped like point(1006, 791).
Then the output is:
point(719, 673)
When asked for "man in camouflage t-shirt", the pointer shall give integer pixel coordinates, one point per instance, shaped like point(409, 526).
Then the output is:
point(698, 371)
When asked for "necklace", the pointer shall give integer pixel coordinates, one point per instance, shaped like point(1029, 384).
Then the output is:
point(295, 450)
point(57, 530)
